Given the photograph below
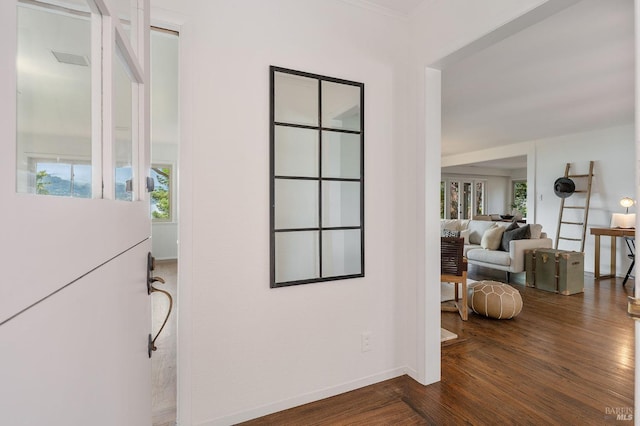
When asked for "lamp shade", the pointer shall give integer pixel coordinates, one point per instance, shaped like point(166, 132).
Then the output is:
point(622, 220)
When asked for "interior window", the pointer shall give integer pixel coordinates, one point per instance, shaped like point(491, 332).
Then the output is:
point(65, 178)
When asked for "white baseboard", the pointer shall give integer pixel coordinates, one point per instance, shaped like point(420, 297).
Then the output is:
point(306, 398)
point(411, 373)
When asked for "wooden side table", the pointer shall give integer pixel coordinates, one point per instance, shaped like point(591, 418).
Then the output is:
point(613, 233)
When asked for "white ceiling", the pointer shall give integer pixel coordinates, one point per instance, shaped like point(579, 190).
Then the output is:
point(403, 7)
point(511, 163)
point(571, 72)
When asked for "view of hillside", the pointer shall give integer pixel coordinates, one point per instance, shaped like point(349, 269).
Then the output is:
point(53, 180)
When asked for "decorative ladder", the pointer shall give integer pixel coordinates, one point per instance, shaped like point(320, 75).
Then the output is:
point(585, 207)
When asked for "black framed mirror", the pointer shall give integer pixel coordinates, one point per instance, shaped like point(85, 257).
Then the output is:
point(317, 178)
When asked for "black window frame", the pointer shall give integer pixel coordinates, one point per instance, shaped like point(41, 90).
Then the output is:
point(320, 179)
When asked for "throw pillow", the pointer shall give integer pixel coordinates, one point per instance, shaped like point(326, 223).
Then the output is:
point(450, 233)
point(515, 234)
point(492, 238)
point(513, 225)
point(465, 234)
point(536, 231)
point(477, 229)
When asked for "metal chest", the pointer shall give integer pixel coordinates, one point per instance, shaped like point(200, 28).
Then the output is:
point(559, 271)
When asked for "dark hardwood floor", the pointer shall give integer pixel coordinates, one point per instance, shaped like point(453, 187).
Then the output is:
point(565, 360)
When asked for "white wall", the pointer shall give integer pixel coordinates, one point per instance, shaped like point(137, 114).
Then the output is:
point(245, 349)
point(612, 150)
point(256, 349)
point(519, 174)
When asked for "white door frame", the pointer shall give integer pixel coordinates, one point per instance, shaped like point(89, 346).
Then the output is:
point(636, 408)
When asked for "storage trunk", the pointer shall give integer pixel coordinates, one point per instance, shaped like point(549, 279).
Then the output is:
point(530, 267)
point(559, 271)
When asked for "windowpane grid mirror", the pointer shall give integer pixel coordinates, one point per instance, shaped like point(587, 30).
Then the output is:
point(317, 178)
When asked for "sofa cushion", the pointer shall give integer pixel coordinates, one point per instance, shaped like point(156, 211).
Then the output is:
point(465, 234)
point(521, 233)
point(452, 224)
point(492, 238)
point(476, 230)
point(468, 247)
point(495, 257)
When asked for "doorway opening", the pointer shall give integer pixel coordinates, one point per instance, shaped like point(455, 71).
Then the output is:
point(165, 138)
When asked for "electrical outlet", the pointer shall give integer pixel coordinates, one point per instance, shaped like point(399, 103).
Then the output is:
point(365, 340)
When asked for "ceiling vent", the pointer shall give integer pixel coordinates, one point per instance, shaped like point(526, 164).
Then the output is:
point(70, 58)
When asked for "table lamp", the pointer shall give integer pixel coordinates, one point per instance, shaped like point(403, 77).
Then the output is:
point(624, 220)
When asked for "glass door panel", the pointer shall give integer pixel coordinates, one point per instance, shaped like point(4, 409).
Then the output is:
point(442, 216)
point(454, 190)
point(53, 98)
point(125, 10)
point(123, 132)
point(479, 199)
point(466, 203)
point(71, 4)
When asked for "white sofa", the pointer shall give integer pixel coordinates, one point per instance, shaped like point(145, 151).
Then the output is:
point(509, 261)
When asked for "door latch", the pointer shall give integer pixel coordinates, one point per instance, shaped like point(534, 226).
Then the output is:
point(151, 184)
point(151, 264)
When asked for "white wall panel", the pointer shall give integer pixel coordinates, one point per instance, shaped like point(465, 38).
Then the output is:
point(73, 359)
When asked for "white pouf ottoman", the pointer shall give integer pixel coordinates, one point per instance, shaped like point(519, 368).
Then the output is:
point(494, 300)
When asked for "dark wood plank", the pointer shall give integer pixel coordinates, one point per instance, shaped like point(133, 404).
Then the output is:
point(563, 360)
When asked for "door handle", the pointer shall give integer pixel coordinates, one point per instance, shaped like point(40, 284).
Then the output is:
point(151, 346)
point(151, 265)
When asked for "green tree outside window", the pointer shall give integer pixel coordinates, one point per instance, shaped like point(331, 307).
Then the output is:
point(520, 197)
point(161, 195)
point(43, 180)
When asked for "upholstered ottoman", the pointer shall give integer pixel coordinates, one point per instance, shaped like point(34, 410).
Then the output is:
point(494, 300)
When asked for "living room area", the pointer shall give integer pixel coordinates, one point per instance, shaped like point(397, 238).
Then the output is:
point(558, 92)
point(574, 106)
